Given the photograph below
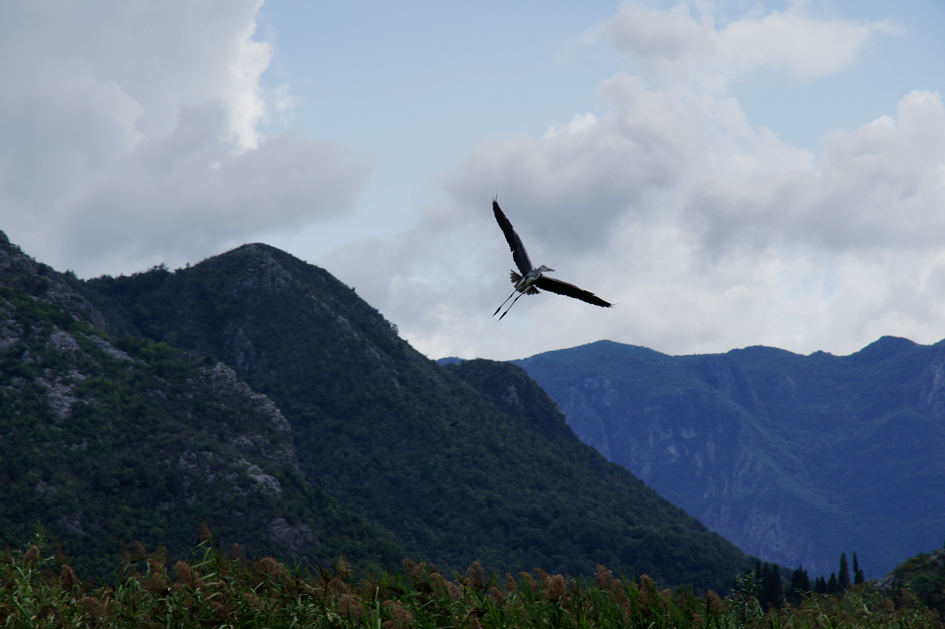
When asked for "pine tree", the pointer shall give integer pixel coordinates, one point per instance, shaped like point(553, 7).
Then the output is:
point(843, 580)
point(800, 584)
point(832, 583)
point(857, 572)
point(770, 586)
point(820, 586)
point(763, 580)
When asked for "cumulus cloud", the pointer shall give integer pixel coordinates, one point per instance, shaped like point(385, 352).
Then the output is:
point(614, 165)
point(880, 186)
point(677, 47)
point(130, 135)
point(709, 232)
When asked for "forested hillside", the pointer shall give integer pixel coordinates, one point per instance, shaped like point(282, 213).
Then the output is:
point(104, 442)
point(436, 456)
point(794, 458)
point(923, 576)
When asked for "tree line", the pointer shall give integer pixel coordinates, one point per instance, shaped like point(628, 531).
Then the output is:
point(770, 590)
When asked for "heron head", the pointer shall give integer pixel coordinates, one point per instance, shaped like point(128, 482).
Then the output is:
point(544, 268)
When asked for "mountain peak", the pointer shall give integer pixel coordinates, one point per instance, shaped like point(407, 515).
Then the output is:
point(106, 440)
point(882, 349)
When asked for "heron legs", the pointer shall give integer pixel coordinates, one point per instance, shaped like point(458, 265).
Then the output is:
point(502, 304)
point(510, 305)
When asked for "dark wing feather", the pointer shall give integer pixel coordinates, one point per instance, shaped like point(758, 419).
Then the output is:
point(563, 288)
point(515, 243)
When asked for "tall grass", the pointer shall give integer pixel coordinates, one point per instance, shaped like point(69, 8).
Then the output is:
point(217, 590)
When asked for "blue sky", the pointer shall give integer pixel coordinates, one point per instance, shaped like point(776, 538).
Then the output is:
point(731, 173)
point(417, 87)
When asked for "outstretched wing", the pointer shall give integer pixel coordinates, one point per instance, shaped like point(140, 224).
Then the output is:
point(515, 243)
point(563, 288)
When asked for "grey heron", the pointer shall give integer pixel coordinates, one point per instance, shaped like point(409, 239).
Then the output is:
point(532, 278)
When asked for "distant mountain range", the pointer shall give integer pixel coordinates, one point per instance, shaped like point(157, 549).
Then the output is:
point(257, 392)
point(794, 458)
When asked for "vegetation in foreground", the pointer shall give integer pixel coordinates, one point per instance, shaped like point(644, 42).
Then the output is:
point(217, 590)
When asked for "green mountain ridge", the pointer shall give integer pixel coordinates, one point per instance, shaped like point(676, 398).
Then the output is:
point(794, 458)
point(105, 441)
point(436, 456)
point(923, 576)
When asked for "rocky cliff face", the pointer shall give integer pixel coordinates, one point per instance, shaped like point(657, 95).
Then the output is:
point(703, 453)
point(794, 458)
point(104, 441)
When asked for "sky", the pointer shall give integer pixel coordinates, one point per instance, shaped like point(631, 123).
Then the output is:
point(729, 173)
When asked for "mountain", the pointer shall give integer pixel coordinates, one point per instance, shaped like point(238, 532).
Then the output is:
point(793, 458)
point(443, 457)
point(104, 441)
point(578, 510)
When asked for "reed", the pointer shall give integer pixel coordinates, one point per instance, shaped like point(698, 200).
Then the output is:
point(214, 589)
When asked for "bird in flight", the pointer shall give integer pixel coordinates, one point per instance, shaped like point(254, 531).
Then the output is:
point(531, 278)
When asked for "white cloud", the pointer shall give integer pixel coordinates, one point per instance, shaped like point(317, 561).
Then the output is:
point(709, 232)
point(878, 186)
point(579, 123)
point(129, 135)
point(577, 183)
point(675, 46)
